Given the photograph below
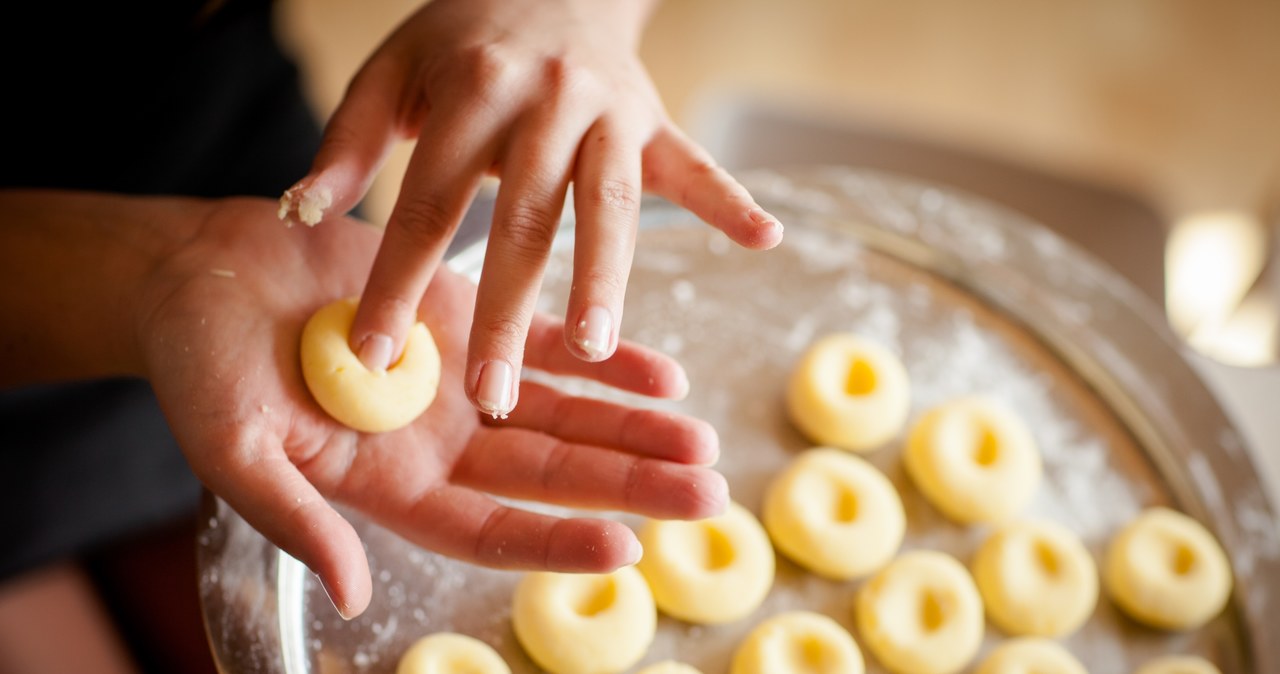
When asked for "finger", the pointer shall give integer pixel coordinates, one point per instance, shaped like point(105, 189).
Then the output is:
point(586, 421)
point(442, 178)
point(677, 168)
point(528, 465)
point(268, 491)
point(607, 207)
point(633, 367)
point(470, 526)
point(535, 176)
point(357, 139)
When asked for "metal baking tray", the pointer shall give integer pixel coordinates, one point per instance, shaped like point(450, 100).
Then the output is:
point(973, 297)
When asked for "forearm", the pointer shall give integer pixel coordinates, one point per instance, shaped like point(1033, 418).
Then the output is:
point(73, 274)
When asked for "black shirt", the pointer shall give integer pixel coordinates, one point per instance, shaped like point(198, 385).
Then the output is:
point(176, 97)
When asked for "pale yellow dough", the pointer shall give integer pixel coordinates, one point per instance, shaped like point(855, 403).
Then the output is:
point(449, 653)
point(921, 614)
point(1036, 579)
point(669, 667)
point(798, 642)
point(1031, 655)
point(849, 392)
point(834, 514)
point(710, 571)
point(584, 623)
point(1166, 570)
point(369, 401)
point(974, 460)
point(1178, 664)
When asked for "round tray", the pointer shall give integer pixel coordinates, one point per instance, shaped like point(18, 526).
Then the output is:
point(974, 298)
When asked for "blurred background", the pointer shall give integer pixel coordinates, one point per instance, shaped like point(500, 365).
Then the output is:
point(1146, 130)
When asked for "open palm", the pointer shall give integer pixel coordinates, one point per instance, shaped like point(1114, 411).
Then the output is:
point(222, 355)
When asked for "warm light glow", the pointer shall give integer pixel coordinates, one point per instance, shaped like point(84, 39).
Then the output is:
point(1211, 262)
point(1248, 338)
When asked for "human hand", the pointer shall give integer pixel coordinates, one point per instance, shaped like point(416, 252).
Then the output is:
point(222, 355)
point(543, 94)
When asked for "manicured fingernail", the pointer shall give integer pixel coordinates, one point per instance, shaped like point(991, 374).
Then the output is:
point(375, 352)
point(634, 551)
point(765, 220)
point(340, 608)
point(594, 333)
point(682, 385)
point(493, 391)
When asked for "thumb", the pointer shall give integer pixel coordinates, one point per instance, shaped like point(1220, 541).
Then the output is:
point(269, 492)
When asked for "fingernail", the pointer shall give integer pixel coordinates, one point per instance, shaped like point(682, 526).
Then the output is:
point(763, 219)
point(493, 391)
point(375, 352)
point(634, 551)
point(682, 385)
point(341, 609)
point(594, 333)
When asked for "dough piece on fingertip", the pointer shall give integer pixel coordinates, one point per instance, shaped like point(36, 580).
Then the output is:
point(450, 653)
point(709, 571)
point(974, 459)
point(1037, 579)
point(834, 514)
point(798, 642)
point(584, 623)
point(1031, 655)
point(369, 401)
point(849, 392)
point(1166, 570)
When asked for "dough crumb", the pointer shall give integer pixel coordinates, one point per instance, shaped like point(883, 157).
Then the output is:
point(310, 204)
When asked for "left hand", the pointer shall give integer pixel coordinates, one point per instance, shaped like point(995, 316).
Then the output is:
point(222, 356)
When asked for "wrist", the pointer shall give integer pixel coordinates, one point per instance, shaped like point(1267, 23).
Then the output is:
point(76, 271)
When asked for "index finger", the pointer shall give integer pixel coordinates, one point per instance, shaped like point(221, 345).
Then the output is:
point(453, 152)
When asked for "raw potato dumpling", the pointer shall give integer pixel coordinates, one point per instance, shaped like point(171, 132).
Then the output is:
point(921, 614)
point(369, 401)
point(584, 623)
point(798, 642)
point(1178, 664)
point(1036, 579)
point(834, 514)
point(669, 667)
point(1166, 570)
point(974, 460)
point(449, 653)
point(710, 571)
point(849, 392)
point(1031, 656)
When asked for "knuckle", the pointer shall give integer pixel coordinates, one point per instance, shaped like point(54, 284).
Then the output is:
point(563, 76)
point(486, 70)
point(602, 278)
point(399, 310)
point(423, 221)
point(704, 167)
point(507, 331)
point(530, 228)
point(618, 196)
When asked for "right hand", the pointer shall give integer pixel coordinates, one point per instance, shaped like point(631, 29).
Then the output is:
point(544, 93)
